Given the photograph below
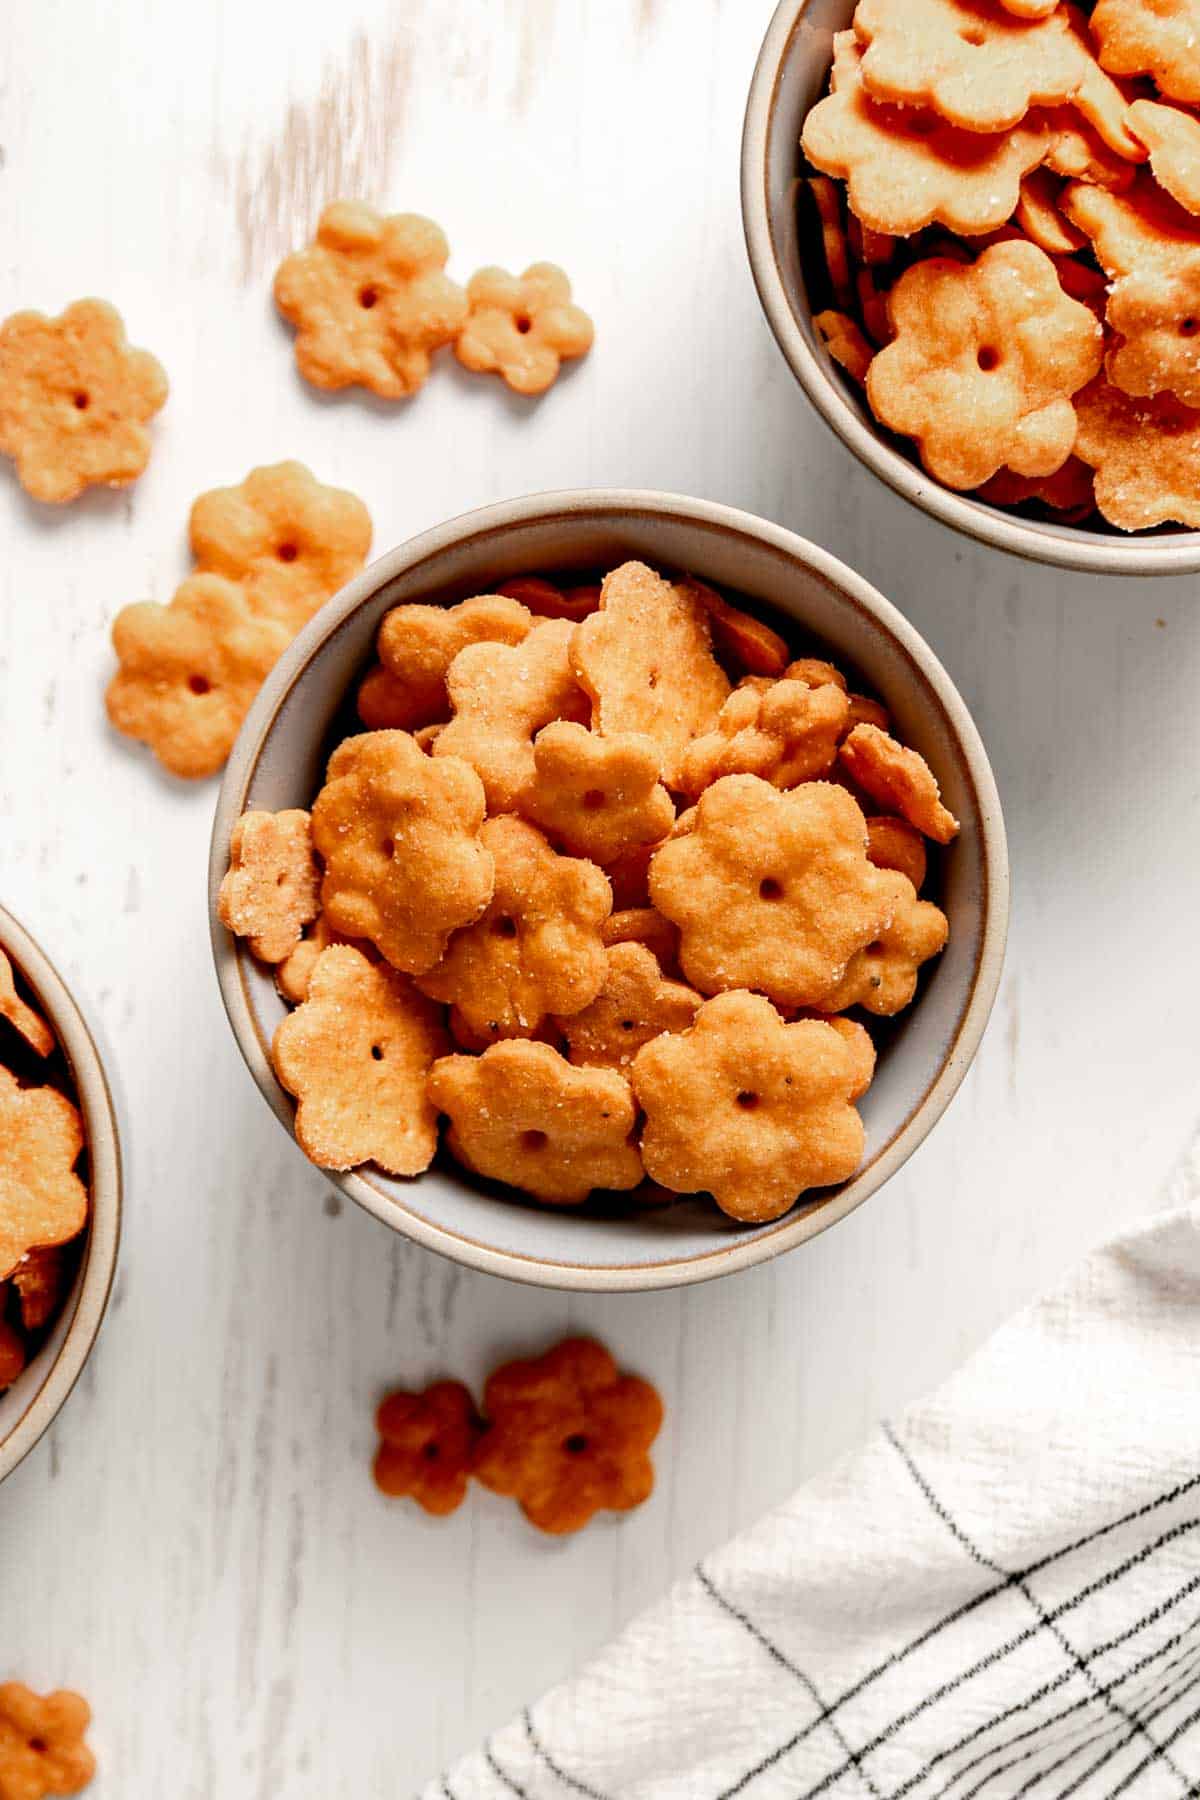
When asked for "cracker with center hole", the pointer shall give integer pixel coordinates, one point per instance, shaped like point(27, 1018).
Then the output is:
point(635, 1003)
point(882, 979)
point(523, 327)
point(599, 797)
point(42, 1200)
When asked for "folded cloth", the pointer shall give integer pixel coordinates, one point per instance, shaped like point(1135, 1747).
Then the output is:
point(999, 1595)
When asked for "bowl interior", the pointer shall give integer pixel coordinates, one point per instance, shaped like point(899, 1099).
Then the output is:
point(786, 253)
point(282, 763)
point(34, 1399)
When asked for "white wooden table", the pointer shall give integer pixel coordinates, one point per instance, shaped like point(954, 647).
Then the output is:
point(197, 1545)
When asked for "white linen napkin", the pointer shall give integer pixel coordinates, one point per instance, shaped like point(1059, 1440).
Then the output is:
point(999, 1595)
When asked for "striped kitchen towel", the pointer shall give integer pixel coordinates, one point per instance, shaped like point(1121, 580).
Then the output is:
point(998, 1596)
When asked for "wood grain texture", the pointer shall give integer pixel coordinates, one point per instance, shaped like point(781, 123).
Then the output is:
point(197, 1545)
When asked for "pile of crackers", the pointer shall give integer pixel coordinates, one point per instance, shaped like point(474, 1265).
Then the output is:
point(1014, 256)
point(601, 886)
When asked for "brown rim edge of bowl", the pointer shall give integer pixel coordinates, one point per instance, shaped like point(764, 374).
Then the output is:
point(1081, 552)
point(105, 1185)
point(596, 504)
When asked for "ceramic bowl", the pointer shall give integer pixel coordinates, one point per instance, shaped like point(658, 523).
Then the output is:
point(279, 760)
point(36, 1397)
point(791, 76)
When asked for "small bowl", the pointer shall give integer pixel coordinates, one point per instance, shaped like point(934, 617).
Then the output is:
point(791, 76)
point(34, 1400)
point(279, 759)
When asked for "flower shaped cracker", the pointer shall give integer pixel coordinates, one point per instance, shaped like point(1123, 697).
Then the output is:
point(75, 400)
point(537, 948)
point(895, 844)
point(502, 696)
point(739, 635)
point(29, 1024)
point(399, 835)
point(427, 1446)
point(1146, 454)
point(906, 168)
point(271, 889)
point(370, 300)
point(522, 1114)
point(356, 1054)
point(899, 778)
point(984, 363)
point(883, 978)
point(787, 732)
point(42, 1748)
point(748, 1109)
point(976, 66)
point(12, 1361)
point(551, 602)
point(635, 1004)
point(1156, 315)
point(40, 1281)
point(646, 661)
point(42, 1200)
point(1134, 232)
point(1173, 139)
point(568, 1436)
point(1151, 37)
point(294, 972)
point(290, 541)
point(771, 890)
point(522, 327)
point(598, 796)
point(189, 672)
point(417, 645)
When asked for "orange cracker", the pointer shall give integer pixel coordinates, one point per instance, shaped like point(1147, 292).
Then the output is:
point(635, 1004)
point(906, 168)
point(537, 948)
point(1134, 232)
point(1077, 152)
point(646, 661)
point(293, 973)
point(977, 67)
point(862, 710)
point(739, 635)
point(813, 672)
point(502, 696)
point(895, 844)
point(844, 340)
point(41, 1280)
point(549, 601)
point(355, 1054)
point(882, 979)
point(370, 300)
point(1158, 38)
point(597, 796)
point(629, 874)
point(12, 1361)
point(828, 203)
point(42, 1748)
point(290, 541)
point(524, 327)
point(522, 1114)
point(399, 833)
point(271, 889)
point(1156, 316)
point(417, 644)
point(1038, 216)
point(568, 1436)
point(42, 1200)
point(787, 733)
point(29, 1024)
point(75, 400)
point(1173, 139)
point(771, 890)
point(1146, 455)
point(899, 778)
point(466, 1036)
point(644, 925)
point(1068, 491)
point(984, 365)
point(427, 1445)
point(188, 672)
point(748, 1109)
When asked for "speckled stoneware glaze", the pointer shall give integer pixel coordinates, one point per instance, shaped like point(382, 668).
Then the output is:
point(36, 1397)
point(791, 76)
point(278, 762)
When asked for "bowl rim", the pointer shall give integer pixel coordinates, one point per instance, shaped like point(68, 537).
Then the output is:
point(95, 1100)
point(598, 504)
point(1068, 548)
